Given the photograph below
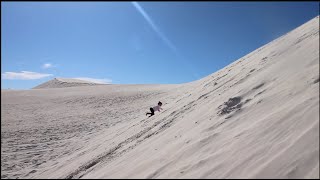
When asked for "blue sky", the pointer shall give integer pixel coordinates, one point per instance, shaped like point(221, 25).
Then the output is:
point(136, 43)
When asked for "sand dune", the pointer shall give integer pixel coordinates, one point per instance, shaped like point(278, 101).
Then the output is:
point(256, 118)
point(64, 82)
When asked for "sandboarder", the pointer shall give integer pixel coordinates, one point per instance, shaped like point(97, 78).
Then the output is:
point(155, 108)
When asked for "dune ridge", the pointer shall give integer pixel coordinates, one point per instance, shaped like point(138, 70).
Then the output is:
point(65, 82)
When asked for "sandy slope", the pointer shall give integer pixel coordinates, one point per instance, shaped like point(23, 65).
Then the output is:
point(64, 82)
point(256, 118)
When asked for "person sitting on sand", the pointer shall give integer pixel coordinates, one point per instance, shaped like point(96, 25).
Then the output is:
point(156, 108)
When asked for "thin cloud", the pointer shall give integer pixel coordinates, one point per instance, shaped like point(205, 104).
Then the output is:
point(99, 81)
point(162, 36)
point(47, 65)
point(24, 75)
point(155, 28)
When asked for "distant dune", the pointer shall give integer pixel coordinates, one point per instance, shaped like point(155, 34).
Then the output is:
point(64, 82)
point(256, 118)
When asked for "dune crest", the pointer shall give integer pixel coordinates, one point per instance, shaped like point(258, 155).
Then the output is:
point(64, 82)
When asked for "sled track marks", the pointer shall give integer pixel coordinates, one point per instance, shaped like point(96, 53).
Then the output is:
point(124, 146)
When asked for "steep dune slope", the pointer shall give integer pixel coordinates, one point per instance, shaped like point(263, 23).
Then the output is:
point(256, 118)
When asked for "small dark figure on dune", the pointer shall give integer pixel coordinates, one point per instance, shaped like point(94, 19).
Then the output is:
point(155, 108)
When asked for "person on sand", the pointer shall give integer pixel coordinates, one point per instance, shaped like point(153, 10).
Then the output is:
point(156, 108)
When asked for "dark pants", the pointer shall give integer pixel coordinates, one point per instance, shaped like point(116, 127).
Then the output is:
point(152, 112)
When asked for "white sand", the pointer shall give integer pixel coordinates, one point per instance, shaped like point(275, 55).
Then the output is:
point(256, 118)
point(64, 82)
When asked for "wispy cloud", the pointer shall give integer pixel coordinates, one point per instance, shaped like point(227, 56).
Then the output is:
point(163, 37)
point(47, 65)
point(155, 27)
point(24, 75)
point(99, 81)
